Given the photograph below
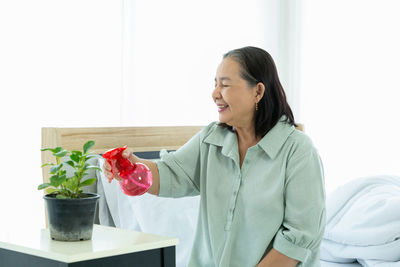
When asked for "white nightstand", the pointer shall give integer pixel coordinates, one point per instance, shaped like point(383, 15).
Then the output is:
point(109, 247)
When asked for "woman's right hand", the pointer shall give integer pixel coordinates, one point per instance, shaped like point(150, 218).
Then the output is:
point(107, 172)
point(128, 154)
point(107, 168)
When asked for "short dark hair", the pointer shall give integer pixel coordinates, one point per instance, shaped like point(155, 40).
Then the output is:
point(257, 66)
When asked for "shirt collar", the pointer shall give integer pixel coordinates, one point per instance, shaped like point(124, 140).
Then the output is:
point(226, 139)
point(271, 143)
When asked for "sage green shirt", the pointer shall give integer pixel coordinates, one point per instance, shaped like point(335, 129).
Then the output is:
point(277, 198)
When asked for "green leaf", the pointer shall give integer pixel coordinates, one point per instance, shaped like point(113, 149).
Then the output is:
point(61, 154)
point(90, 156)
point(85, 166)
point(71, 183)
point(79, 153)
point(88, 145)
point(60, 196)
point(91, 167)
point(56, 168)
point(47, 164)
point(77, 173)
point(88, 182)
point(43, 186)
point(51, 190)
point(54, 150)
point(56, 180)
point(70, 163)
point(48, 149)
point(75, 158)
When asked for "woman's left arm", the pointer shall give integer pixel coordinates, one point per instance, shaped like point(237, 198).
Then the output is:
point(300, 234)
point(275, 258)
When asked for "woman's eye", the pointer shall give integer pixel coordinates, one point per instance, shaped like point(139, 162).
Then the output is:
point(222, 85)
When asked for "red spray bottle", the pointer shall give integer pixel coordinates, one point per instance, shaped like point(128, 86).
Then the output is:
point(136, 178)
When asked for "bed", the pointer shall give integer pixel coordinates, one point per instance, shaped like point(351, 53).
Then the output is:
point(178, 217)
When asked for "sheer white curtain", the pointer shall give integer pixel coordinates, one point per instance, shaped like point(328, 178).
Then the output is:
point(172, 49)
point(83, 63)
point(350, 86)
point(60, 66)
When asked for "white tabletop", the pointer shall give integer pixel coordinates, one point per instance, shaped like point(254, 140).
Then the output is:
point(106, 241)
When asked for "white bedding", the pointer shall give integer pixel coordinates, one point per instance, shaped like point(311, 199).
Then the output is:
point(363, 223)
point(363, 220)
point(151, 214)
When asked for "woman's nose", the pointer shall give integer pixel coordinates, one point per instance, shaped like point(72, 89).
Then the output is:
point(216, 94)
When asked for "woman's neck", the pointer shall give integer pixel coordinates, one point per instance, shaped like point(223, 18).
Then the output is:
point(247, 136)
point(246, 139)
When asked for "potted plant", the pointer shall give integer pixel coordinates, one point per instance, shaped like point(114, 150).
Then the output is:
point(70, 211)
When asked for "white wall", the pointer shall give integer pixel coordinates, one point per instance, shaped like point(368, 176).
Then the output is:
point(350, 86)
point(60, 65)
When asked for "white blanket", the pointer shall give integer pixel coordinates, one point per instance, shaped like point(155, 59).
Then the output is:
point(363, 223)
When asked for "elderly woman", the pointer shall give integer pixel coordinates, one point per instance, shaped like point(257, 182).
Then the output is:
point(260, 180)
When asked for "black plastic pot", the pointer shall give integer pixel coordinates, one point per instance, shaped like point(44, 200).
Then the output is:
point(71, 219)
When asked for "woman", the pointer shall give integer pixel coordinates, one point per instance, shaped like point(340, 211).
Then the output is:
point(260, 180)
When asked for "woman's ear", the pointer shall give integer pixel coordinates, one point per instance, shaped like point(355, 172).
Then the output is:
point(260, 89)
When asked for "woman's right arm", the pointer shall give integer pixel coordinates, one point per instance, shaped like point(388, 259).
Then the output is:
point(154, 188)
point(180, 170)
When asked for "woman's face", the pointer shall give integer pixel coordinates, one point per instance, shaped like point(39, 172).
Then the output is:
point(233, 96)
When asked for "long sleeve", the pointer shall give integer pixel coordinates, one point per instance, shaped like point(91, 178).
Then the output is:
point(180, 170)
point(304, 216)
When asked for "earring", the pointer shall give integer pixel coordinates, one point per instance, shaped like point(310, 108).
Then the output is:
point(256, 106)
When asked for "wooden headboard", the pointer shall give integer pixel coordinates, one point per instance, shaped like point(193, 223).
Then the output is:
point(136, 138)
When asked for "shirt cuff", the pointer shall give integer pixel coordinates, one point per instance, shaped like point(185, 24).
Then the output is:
point(289, 249)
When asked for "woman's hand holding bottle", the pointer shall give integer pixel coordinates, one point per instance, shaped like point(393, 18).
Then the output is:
point(134, 177)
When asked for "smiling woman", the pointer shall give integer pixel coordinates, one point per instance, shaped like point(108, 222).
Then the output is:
point(233, 95)
point(241, 78)
point(259, 179)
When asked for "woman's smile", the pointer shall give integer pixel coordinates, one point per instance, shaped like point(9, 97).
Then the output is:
point(222, 108)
